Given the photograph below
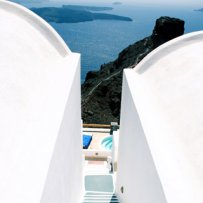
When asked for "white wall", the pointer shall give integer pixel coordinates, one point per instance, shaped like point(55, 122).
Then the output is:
point(115, 139)
point(64, 182)
point(161, 154)
point(136, 170)
point(40, 114)
point(33, 21)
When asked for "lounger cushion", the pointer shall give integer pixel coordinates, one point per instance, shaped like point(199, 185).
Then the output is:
point(86, 141)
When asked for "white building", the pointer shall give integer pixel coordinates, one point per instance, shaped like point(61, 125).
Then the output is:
point(160, 156)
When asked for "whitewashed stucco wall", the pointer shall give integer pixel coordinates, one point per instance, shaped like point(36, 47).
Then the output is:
point(65, 176)
point(136, 170)
point(162, 125)
point(40, 114)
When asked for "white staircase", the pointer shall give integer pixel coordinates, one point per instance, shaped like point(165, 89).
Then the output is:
point(99, 185)
point(98, 197)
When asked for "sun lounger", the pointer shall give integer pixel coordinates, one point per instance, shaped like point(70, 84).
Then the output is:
point(86, 141)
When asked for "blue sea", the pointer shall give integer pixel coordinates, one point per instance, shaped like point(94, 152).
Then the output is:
point(101, 41)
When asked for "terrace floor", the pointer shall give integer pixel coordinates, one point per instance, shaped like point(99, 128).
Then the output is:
point(97, 136)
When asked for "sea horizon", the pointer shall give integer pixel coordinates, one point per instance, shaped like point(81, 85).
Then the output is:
point(100, 41)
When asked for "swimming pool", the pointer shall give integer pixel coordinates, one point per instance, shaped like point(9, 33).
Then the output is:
point(106, 143)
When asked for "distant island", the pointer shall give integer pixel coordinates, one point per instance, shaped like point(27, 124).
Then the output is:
point(117, 3)
point(201, 10)
point(75, 14)
point(87, 8)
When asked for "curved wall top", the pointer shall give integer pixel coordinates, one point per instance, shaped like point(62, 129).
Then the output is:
point(25, 21)
point(172, 47)
point(173, 74)
point(167, 88)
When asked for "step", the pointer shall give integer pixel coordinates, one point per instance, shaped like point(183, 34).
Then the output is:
point(100, 198)
point(96, 168)
point(99, 189)
point(99, 194)
point(100, 201)
point(99, 183)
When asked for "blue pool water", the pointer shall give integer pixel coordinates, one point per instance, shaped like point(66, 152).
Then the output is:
point(107, 143)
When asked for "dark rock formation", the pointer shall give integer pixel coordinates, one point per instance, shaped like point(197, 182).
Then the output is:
point(167, 28)
point(101, 91)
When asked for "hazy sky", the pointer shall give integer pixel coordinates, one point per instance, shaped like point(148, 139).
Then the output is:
point(195, 4)
point(198, 3)
point(168, 2)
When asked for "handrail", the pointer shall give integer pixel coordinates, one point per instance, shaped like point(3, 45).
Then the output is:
point(96, 126)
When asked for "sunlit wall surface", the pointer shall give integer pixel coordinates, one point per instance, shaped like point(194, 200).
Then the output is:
point(40, 142)
point(160, 150)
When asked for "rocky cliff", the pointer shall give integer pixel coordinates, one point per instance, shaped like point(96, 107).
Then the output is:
point(101, 91)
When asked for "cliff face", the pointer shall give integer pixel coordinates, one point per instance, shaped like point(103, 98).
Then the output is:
point(101, 91)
